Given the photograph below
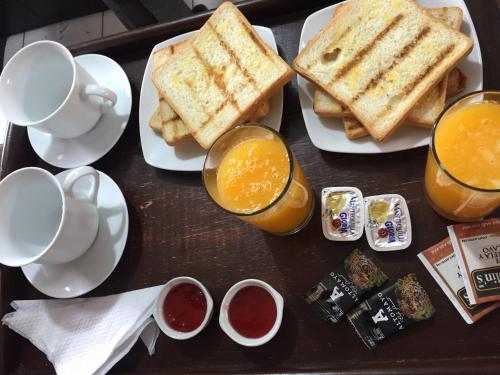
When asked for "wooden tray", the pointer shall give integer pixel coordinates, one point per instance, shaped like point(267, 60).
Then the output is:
point(176, 230)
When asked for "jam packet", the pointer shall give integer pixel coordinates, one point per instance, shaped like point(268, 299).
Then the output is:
point(341, 289)
point(441, 262)
point(387, 222)
point(343, 215)
point(477, 247)
point(391, 310)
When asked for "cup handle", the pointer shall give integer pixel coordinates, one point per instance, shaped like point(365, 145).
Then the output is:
point(78, 173)
point(103, 92)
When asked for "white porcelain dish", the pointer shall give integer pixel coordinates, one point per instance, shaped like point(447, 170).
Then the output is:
point(188, 156)
point(158, 309)
point(224, 316)
point(328, 133)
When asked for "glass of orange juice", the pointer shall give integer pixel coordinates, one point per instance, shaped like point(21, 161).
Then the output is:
point(251, 173)
point(462, 176)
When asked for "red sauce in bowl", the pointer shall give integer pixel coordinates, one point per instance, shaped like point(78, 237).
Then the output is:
point(185, 307)
point(252, 312)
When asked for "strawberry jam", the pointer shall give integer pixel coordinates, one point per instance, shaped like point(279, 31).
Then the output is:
point(184, 307)
point(252, 312)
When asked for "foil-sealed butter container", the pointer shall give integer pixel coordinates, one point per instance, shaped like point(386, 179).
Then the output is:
point(342, 213)
point(387, 222)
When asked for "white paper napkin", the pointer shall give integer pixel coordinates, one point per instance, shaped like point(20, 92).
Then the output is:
point(87, 335)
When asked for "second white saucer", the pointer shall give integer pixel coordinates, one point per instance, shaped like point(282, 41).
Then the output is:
point(91, 269)
point(91, 146)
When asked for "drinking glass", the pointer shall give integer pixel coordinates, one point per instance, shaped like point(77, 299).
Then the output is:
point(286, 214)
point(448, 195)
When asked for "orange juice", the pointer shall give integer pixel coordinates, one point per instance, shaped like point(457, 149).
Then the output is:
point(256, 181)
point(467, 145)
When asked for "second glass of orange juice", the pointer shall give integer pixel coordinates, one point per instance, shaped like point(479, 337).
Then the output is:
point(462, 176)
point(251, 172)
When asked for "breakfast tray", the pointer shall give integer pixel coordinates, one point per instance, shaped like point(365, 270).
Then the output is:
point(176, 230)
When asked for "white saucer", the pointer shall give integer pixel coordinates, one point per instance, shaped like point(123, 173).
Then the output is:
point(91, 146)
point(87, 272)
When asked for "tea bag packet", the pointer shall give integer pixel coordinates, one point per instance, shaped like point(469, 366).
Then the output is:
point(391, 310)
point(343, 215)
point(477, 247)
point(342, 288)
point(387, 222)
point(441, 262)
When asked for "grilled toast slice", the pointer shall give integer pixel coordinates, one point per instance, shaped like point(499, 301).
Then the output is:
point(222, 76)
point(165, 121)
point(172, 129)
point(456, 82)
point(155, 122)
point(379, 58)
point(427, 108)
point(325, 105)
point(355, 130)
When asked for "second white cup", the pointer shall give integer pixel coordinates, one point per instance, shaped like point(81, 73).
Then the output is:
point(42, 221)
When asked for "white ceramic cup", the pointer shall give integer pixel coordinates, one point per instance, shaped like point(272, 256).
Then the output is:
point(42, 221)
point(43, 86)
point(224, 315)
point(158, 309)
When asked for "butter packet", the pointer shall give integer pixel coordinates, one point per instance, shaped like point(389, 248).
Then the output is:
point(343, 216)
point(342, 288)
point(391, 310)
point(441, 262)
point(477, 247)
point(387, 222)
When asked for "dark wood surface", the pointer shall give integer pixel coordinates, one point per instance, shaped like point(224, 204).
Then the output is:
point(176, 230)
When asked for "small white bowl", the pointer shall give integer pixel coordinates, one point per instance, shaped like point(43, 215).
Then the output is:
point(158, 310)
point(224, 317)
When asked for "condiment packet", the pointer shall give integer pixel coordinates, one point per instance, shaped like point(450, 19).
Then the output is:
point(440, 260)
point(387, 222)
point(341, 289)
point(477, 247)
point(391, 310)
point(343, 215)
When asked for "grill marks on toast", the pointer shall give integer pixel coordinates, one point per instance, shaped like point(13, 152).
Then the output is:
point(257, 41)
point(363, 52)
point(444, 51)
point(234, 56)
point(218, 78)
point(397, 59)
point(411, 86)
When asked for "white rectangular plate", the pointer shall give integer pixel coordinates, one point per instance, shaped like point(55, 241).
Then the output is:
point(188, 156)
point(328, 133)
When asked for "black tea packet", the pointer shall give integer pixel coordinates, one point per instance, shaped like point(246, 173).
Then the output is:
point(341, 289)
point(391, 310)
